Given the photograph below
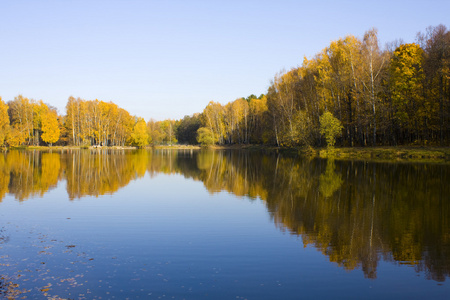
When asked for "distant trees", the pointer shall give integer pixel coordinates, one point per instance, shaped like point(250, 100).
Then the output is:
point(390, 97)
point(400, 95)
point(29, 120)
point(97, 123)
point(257, 120)
point(162, 132)
point(187, 127)
point(20, 113)
point(93, 122)
point(238, 122)
point(154, 130)
point(168, 132)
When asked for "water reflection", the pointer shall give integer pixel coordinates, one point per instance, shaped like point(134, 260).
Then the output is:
point(330, 180)
point(355, 213)
point(28, 174)
point(100, 172)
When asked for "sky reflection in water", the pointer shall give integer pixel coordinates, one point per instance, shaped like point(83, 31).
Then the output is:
point(194, 225)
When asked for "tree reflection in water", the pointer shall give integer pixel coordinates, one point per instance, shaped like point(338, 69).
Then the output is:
point(355, 212)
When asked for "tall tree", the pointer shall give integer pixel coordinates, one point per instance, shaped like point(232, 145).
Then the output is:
point(213, 118)
point(373, 64)
point(282, 104)
point(343, 57)
point(236, 121)
point(258, 116)
point(139, 136)
point(50, 127)
point(156, 136)
point(436, 44)
point(168, 129)
point(4, 122)
point(72, 119)
point(407, 88)
point(20, 112)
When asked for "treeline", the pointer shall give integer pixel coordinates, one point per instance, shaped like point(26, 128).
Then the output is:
point(396, 96)
point(400, 95)
point(24, 121)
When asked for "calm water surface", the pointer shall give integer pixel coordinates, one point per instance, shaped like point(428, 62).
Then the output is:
point(220, 225)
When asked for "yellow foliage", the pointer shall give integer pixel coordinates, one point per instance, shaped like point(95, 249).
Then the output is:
point(4, 122)
point(50, 127)
point(140, 135)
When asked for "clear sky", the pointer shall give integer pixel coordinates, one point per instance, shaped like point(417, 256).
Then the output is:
point(168, 59)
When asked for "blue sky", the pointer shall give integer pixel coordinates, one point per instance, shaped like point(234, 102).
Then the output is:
point(167, 59)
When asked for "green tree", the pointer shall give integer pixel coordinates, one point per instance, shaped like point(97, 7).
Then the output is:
point(330, 127)
point(206, 137)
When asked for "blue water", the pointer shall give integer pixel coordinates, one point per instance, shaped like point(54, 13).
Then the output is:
point(167, 237)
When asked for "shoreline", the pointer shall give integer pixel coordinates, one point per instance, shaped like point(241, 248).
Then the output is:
point(349, 152)
point(418, 153)
point(397, 153)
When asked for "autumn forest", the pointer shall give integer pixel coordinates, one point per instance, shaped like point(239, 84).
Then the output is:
point(399, 95)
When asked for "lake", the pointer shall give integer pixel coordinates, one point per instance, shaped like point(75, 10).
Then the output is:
point(191, 224)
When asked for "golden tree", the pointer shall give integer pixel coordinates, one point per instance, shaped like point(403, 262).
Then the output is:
point(140, 135)
point(407, 79)
point(50, 128)
point(213, 118)
point(20, 111)
point(4, 121)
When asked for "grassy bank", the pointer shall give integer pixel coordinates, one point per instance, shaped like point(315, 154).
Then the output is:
point(385, 153)
point(176, 147)
point(404, 153)
point(45, 148)
point(401, 152)
point(389, 153)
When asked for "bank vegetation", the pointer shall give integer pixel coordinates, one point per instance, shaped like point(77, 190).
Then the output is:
point(353, 93)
